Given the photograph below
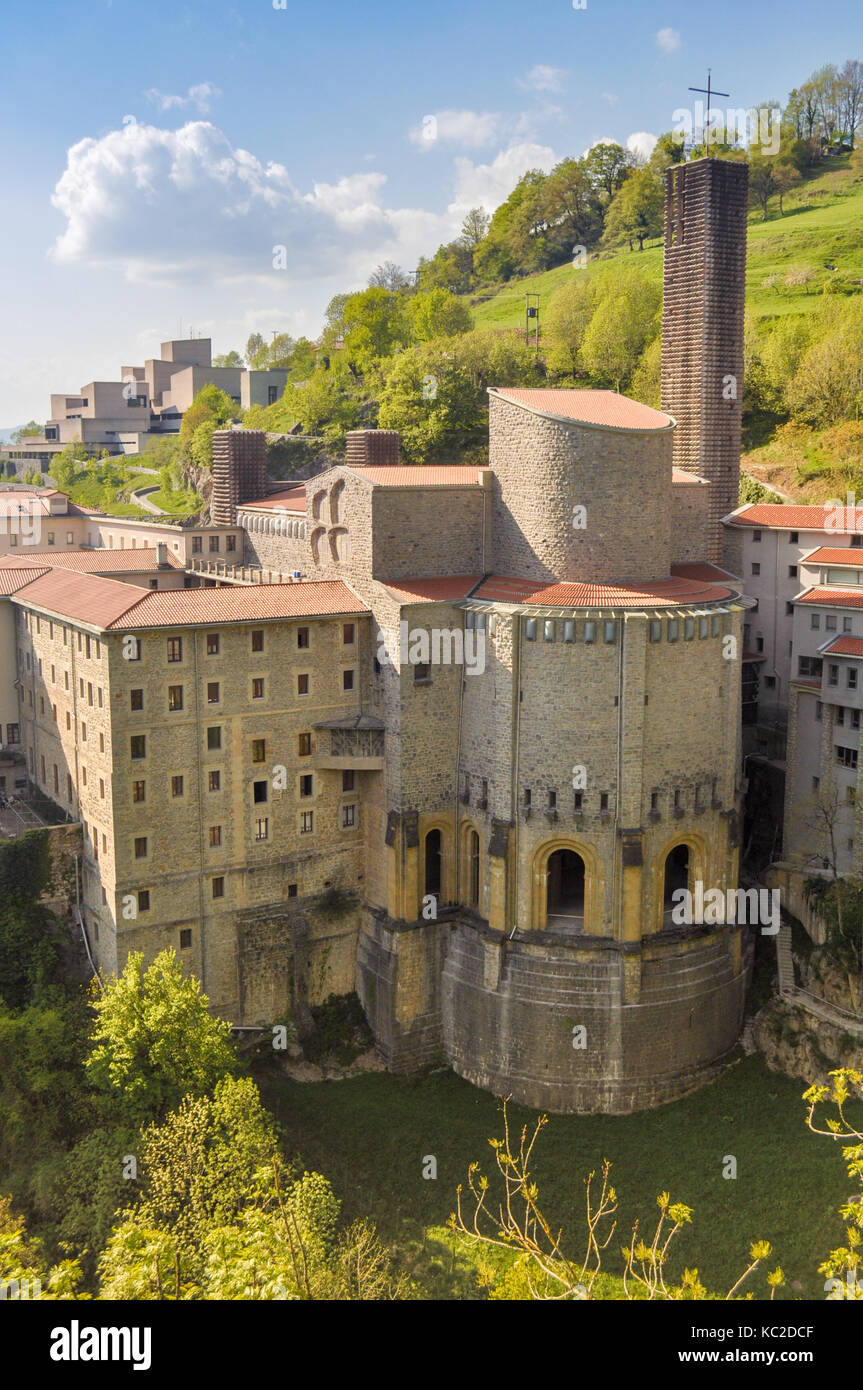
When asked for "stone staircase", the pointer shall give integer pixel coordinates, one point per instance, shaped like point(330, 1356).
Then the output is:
point(784, 960)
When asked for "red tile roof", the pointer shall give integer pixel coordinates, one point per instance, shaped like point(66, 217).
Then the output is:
point(421, 475)
point(846, 646)
point(86, 597)
point(434, 590)
point(708, 574)
point(11, 580)
point(833, 598)
point(603, 409)
point(824, 555)
point(789, 517)
point(99, 561)
point(292, 499)
point(110, 604)
point(661, 593)
point(241, 604)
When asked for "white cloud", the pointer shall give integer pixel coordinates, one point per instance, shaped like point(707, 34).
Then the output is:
point(197, 96)
point(542, 78)
point(668, 40)
point(167, 205)
point(611, 97)
point(641, 143)
point(469, 129)
point(487, 185)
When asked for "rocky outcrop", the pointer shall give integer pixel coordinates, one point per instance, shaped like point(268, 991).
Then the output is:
point(804, 1035)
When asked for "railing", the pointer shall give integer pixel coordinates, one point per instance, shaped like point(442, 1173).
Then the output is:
point(238, 574)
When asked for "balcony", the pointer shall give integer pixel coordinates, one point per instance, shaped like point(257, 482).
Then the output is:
point(354, 743)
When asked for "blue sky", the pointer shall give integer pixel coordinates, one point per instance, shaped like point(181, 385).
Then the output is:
point(154, 154)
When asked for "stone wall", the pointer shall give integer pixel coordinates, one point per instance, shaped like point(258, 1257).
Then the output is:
point(689, 521)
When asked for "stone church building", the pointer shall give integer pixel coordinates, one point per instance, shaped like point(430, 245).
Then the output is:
point(449, 736)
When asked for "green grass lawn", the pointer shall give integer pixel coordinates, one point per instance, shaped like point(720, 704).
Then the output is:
point(369, 1136)
point(176, 503)
point(822, 223)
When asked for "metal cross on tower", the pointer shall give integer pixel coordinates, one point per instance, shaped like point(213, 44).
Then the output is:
point(709, 92)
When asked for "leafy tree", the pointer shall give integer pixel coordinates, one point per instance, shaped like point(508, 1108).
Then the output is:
point(437, 314)
point(280, 351)
point(256, 351)
point(211, 406)
point(845, 1264)
point(389, 276)
point(23, 1264)
point(329, 403)
point(517, 239)
point(624, 321)
point(828, 384)
point(572, 208)
point(762, 181)
point(605, 166)
point(647, 377)
point(450, 268)
point(474, 228)
point(228, 359)
point(374, 326)
point(636, 211)
point(570, 310)
point(29, 947)
point(154, 1040)
point(668, 150)
point(27, 431)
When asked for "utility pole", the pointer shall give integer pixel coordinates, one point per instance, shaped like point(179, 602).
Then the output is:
point(531, 312)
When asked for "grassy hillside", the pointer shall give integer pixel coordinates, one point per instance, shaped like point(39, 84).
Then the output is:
point(822, 223)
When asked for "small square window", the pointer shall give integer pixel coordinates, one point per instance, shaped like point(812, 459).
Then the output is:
point(213, 695)
point(218, 887)
point(215, 835)
point(794, 537)
point(138, 745)
point(141, 847)
point(756, 568)
point(139, 790)
point(212, 644)
point(292, 890)
point(756, 536)
point(306, 784)
point(214, 737)
point(422, 673)
point(347, 634)
point(347, 680)
point(258, 639)
point(185, 938)
point(259, 791)
point(302, 637)
point(303, 684)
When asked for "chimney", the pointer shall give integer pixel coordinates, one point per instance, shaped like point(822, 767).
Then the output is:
point(372, 447)
point(161, 555)
point(704, 271)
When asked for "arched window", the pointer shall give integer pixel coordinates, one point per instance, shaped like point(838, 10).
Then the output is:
point(317, 504)
point(335, 496)
point(473, 868)
point(565, 891)
point(317, 536)
point(676, 876)
point(433, 863)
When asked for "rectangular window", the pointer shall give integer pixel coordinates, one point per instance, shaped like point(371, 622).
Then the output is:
point(197, 544)
point(218, 887)
point(609, 632)
point(530, 629)
point(793, 538)
point(815, 621)
point(262, 829)
point(214, 737)
point(846, 757)
point(139, 790)
point(603, 801)
point(789, 608)
point(215, 835)
point(132, 648)
point(673, 629)
point(655, 630)
point(212, 692)
point(230, 543)
point(258, 639)
point(259, 750)
point(176, 786)
point(348, 816)
point(292, 890)
point(175, 649)
point(141, 847)
point(846, 624)
point(307, 822)
point(756, 536)
point(590, 632)
point(144, 900)
point(212, 644)
point(422, 673)
point(302, 637)
point(258, 688)
point(304, 745)
point(568, 630)
point(347, 634)
point(214, 780)
point(756, 568)
point(852, 678)
point(138, 745)
point(832, 673)
point(175, 697)
point(688, 629)
point(809, 666)
point(347, 680)
point(830, 622)
point(259, 791)
point(819, 711)
point(214, 544)
point(840, 715)
point(302, 684)
point(347, 781)
point(185, 938)
point(548, 630)
point(792, 571)
point(306, 784)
